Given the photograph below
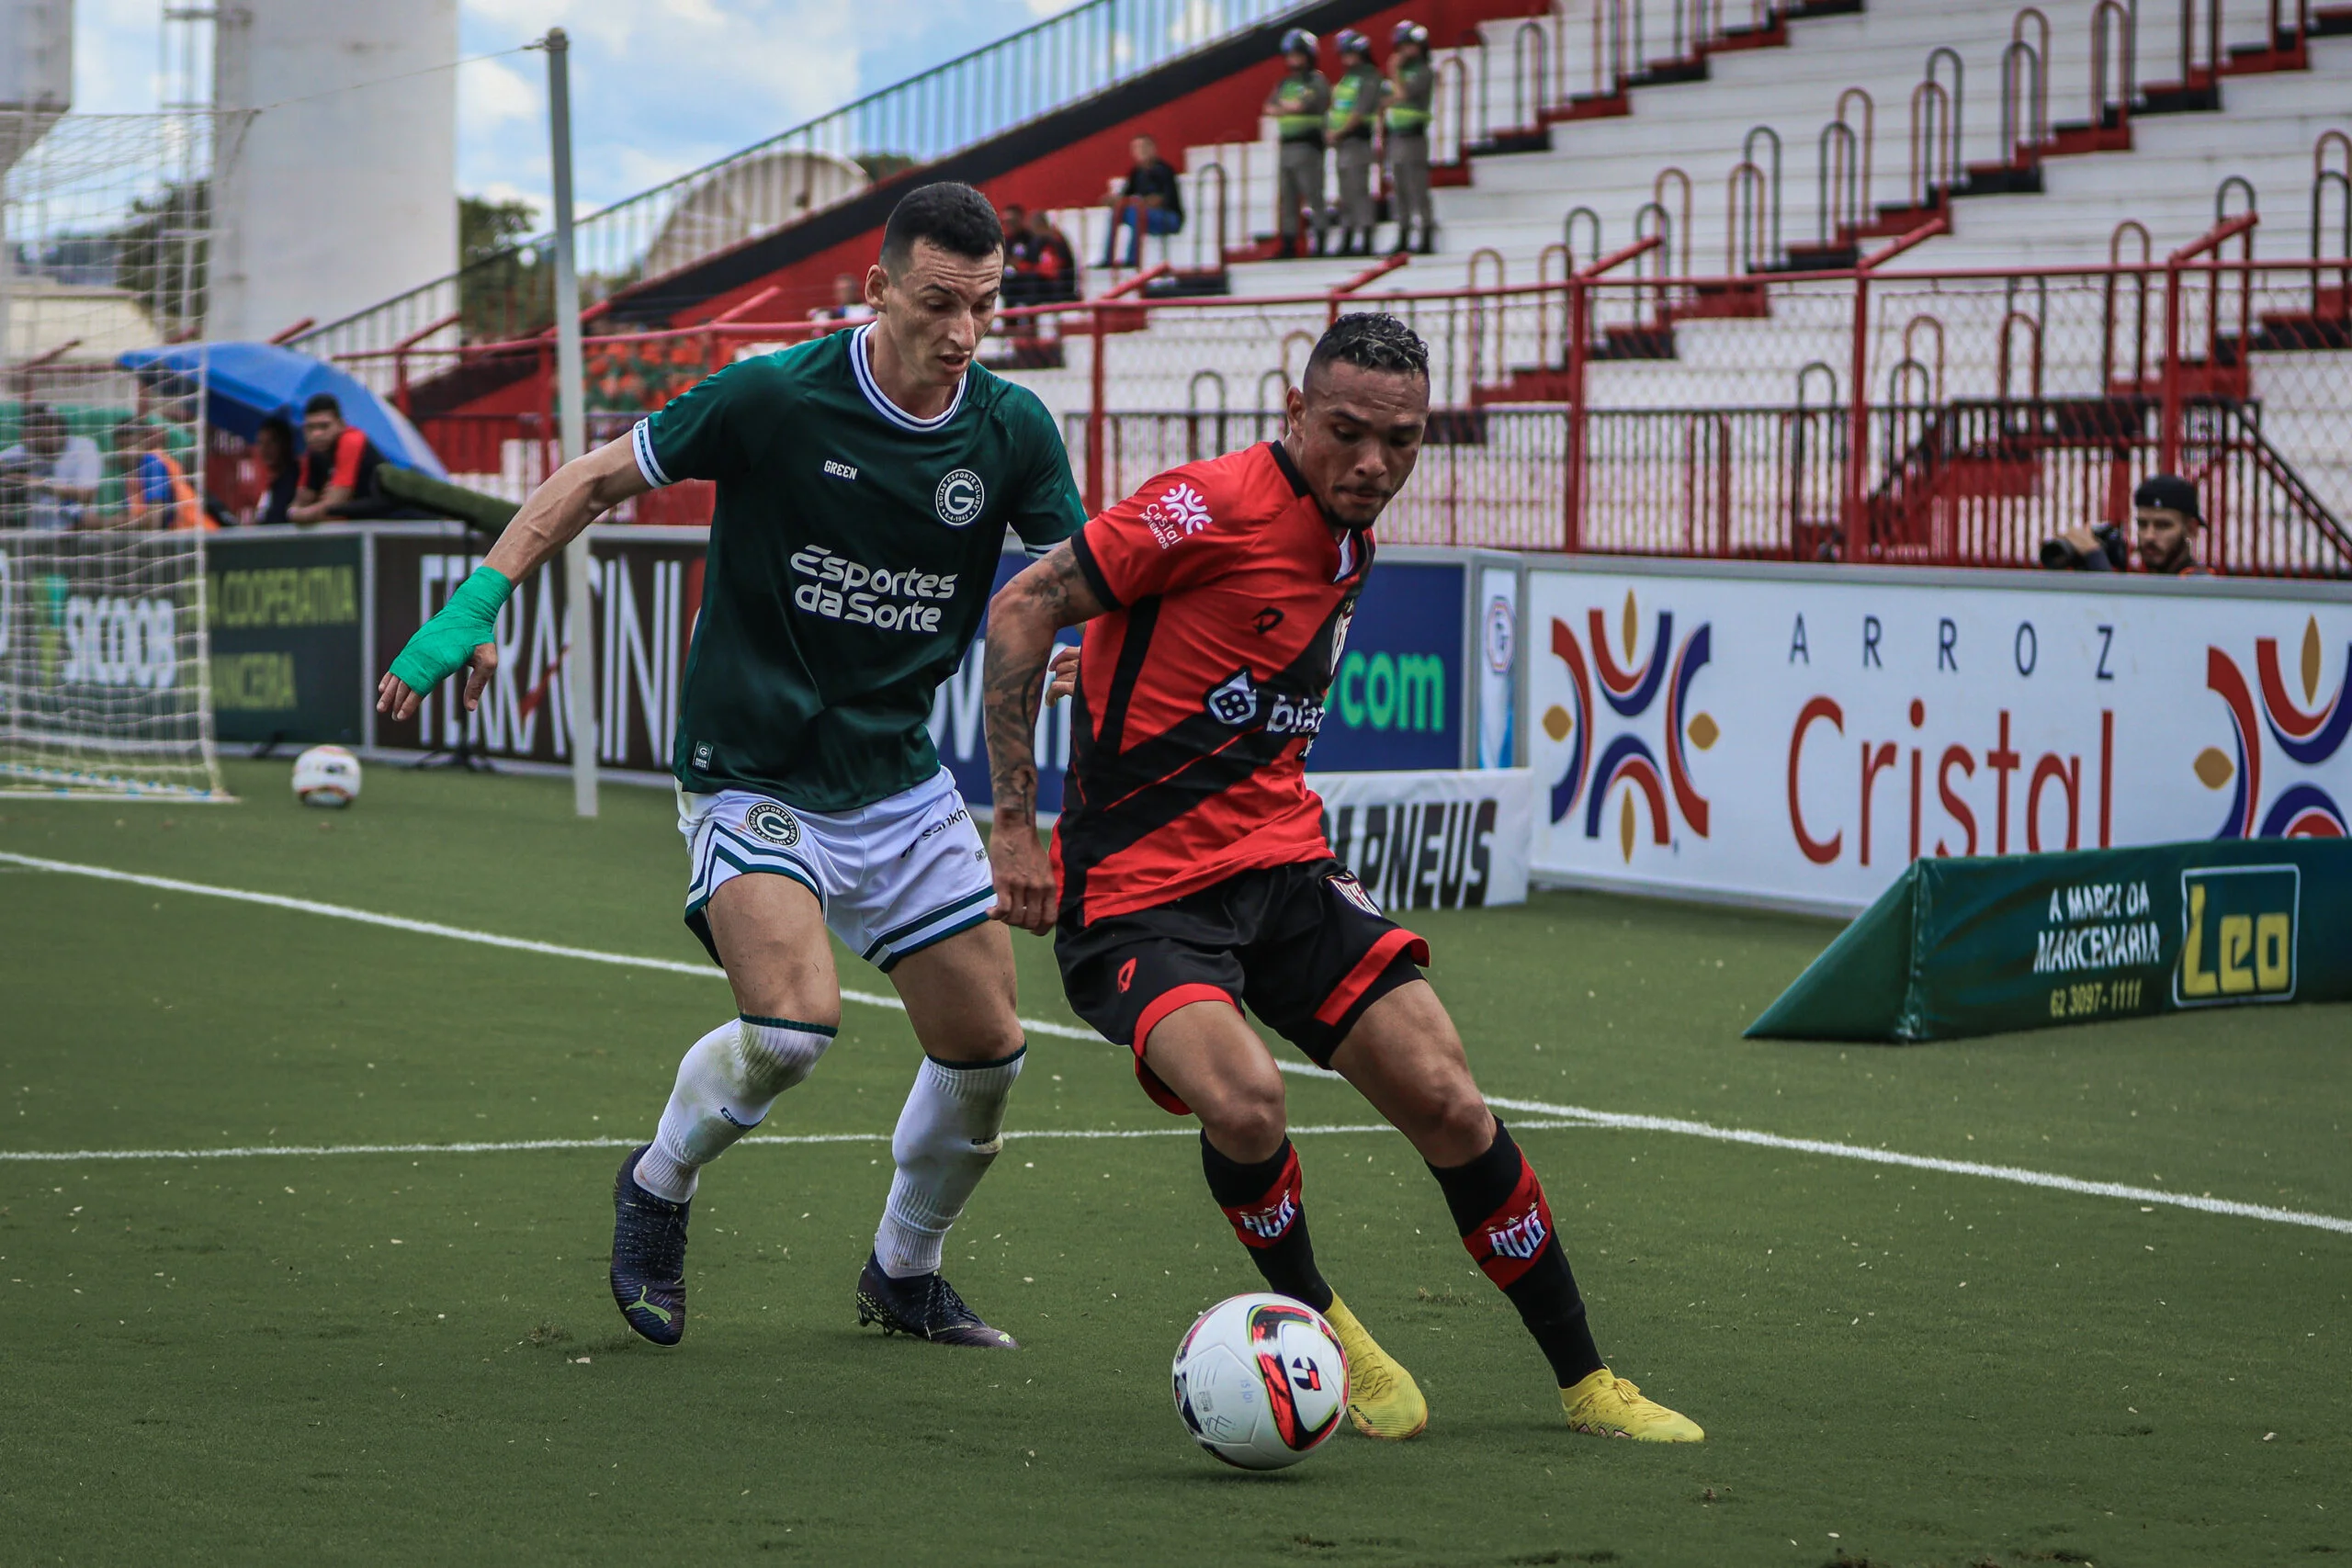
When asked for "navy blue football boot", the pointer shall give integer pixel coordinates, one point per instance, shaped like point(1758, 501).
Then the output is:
point(649, 1257)
point(926, 1306)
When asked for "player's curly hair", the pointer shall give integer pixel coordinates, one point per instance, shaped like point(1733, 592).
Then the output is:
point(956, 218)
point(1371, 340)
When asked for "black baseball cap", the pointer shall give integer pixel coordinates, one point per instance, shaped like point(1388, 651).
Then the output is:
point(2169, 491)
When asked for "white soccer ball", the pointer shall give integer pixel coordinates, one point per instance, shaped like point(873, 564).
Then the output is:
point(326, 775)
point(1260, 1381)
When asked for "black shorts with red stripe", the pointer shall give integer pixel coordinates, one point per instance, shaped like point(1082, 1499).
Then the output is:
point(1302, 946)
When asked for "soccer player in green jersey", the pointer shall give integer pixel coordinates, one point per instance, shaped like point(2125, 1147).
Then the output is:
point(864, 483)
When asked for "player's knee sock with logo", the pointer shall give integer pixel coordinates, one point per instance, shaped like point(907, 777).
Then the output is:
point(1266, 1203)
point(725, 1086)
point(948, 1135)
point(1499, 1209)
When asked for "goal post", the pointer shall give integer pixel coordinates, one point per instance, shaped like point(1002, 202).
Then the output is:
point(105, 678)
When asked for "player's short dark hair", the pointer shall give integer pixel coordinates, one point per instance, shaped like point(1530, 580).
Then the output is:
point(956, 218)
point(323, 403)
point(1370, 341)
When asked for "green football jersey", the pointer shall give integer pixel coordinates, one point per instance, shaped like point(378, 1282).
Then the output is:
point(852, 554)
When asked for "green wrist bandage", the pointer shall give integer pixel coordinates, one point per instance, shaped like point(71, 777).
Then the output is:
point(442, 645)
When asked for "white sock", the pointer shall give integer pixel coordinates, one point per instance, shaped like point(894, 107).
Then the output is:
point(726, 1084)
point(946, 1139)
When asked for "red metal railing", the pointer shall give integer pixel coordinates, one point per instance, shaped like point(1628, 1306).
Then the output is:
point(1965, 408)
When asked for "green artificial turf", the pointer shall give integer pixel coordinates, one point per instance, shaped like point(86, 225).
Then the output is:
point(411, 1355)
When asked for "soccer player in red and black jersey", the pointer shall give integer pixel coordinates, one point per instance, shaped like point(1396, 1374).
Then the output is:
point(1190, 876)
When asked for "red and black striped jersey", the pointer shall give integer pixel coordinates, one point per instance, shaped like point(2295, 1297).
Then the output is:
point(1200, 692)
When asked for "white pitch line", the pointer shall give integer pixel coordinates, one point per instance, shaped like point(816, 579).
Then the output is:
point(536, 1145)
point(1569, 1114)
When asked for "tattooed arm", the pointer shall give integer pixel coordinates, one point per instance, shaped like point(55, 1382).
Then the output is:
point(1022, 619)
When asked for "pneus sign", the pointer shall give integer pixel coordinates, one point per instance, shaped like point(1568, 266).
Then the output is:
point(1443, 839)
point(1800, 735)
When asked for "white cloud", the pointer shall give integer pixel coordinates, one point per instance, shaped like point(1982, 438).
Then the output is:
point(490, 92)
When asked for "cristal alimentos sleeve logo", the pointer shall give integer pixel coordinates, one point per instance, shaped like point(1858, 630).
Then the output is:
point(851, 592)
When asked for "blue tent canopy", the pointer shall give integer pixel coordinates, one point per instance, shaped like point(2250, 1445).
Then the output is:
point(246, 382)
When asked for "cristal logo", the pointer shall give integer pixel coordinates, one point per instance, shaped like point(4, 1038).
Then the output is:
point(2308, 733)
point(1180, 512)
point(1631, 691)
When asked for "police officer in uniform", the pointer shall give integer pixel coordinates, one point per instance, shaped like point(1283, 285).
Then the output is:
point(1298, 104)
point(1411, 89)
point(1348, 126)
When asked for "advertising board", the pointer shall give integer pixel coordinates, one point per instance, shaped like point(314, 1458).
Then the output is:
point(1799, 735)
point(284, 611)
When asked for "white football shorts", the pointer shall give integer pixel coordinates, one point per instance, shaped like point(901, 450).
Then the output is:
point(892, 877)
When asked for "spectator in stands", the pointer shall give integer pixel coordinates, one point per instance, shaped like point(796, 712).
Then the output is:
point(1347, 127)
point(849, 301)
point(274, 450)
point(156, 491)
point(1412, 89)
point(339, 464)
point(2165, 518)
point(1148, 202)
point(1025, 252)
point(1057, 265)
point(1298, 103)
point(48, 477)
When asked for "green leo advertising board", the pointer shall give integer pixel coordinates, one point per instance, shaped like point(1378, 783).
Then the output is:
point(1983, 946)
point(284, 611)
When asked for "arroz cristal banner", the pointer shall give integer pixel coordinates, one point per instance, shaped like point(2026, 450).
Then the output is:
point(1798, 736)
point(1982, 947)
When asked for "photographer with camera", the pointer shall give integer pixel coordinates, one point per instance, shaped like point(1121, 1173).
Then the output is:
point(2166, 521)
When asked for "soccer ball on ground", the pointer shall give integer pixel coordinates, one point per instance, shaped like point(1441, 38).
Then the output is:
point(1260, 1381)
point(326, 775)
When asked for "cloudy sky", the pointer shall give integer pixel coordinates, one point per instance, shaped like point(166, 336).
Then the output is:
point(658, 86)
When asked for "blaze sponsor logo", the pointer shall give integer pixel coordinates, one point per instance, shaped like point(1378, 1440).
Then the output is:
point(1179, 514)
point(2308, 732)
point(1233, 699)
point(2238, 938)
point(839, 470)
point(1631, 691)
point(772, 822)
point(960, 498)
point(840, 589)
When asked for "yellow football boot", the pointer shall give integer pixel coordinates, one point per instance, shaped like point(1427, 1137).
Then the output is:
point(1382, 1399)
point(1606, 1405)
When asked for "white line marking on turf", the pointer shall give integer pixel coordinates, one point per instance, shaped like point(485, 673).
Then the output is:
point(534, 1145)
point(1569, 1114)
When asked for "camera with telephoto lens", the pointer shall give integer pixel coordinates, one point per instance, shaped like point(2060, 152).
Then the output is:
point(2065, 555)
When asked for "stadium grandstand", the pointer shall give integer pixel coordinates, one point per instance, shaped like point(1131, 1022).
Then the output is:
point(1821, 281)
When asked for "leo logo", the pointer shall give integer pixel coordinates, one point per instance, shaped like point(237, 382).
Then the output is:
point(2239, 942)
point(959, 498)
point(772, 822)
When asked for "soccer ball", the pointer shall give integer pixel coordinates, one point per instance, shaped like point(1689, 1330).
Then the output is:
point(1260, 1381)
point(326, 775)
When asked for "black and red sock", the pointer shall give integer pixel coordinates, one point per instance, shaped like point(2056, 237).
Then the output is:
point(1264, 1202)
point(1505, 1223)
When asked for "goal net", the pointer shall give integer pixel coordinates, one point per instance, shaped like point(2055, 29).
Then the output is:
point(105, 686)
